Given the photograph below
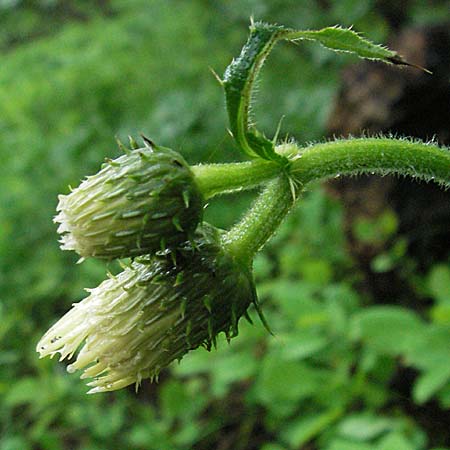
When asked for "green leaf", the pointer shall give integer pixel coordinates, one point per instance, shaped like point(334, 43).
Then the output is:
point(286, 381)
point(347, 444)
point(22, 391)
point(301, 344)
point(318, 271)
point(297, 303)
point(440, 314)
point(231, 368)
point(364, 427)
point(347, 40)
point(240, 76)
point(110, 421)
point(376, 230)
point(444, 397)
point(14, 442)
point(390, 259)
point(272, 446)
point(388, 329)
point(395, 441)
point(238, 81)
point(431, 382)
point(439, 282)
point(304, 429)
point(173, 399)
point(430, 349)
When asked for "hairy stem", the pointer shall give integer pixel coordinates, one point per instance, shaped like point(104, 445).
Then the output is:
point(260, 222)
point(382, 156)
point(342, 157)
point(214, 179)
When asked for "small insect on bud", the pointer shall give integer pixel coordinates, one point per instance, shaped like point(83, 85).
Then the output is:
point(155, 311)
point(136, 204)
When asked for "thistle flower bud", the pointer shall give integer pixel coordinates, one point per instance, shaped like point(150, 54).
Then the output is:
point(155, 311)
point(136, 204)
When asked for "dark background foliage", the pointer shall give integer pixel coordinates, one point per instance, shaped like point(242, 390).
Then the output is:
point(360, 358)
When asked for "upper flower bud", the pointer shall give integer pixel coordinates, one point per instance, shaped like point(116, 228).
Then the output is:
point(153, 313)
point(136, 204)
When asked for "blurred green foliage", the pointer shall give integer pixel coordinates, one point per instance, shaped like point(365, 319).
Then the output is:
point(75, 74)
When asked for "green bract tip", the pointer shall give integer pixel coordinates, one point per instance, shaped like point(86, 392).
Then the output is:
point(155, 311)
point(131, 206)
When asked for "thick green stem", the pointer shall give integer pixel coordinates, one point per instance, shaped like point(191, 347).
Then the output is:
point(380, 156)
point(214, 179)
point(261, 221)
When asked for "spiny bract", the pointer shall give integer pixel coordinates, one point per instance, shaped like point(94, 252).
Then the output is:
point(153, 313)
point(136, 204)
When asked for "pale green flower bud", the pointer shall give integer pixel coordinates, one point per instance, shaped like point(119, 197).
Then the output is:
point(155, 311)
point(136, 204)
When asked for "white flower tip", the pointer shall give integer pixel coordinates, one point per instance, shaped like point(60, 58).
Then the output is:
point(96, 390)
point(68, 242)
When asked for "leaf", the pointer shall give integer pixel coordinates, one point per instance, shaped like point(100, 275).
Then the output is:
point(299, 432)
point(395, 441)
point(297, 303)
point(287, 381)
point(431, 382)
point(301, 345)
point(109, 422)
point(347, 40)
point(439, 283)
point(346, 444)
point(229, 369)
point(240, 76)
point(364, 427)
point(376, 230)
point(238, 81)
point(431, 349)
point(272, 446)
point(388, 329)
point(13, 442)
point(173, 399)
point(22, 392)
point(444, 397)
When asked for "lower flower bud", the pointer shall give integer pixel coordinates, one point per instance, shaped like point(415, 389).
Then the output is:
point(155, 311)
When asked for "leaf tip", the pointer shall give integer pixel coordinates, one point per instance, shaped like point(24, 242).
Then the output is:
point(399, 61)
